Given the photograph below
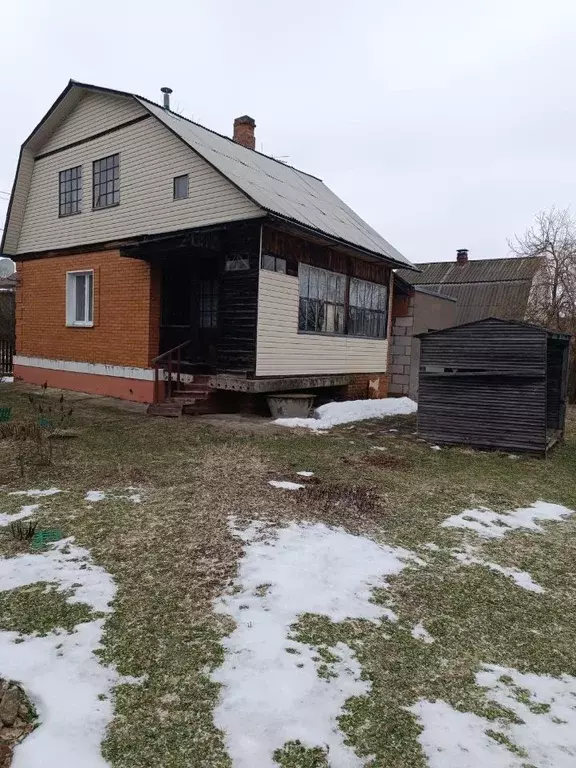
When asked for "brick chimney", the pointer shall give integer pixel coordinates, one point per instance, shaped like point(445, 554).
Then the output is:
point(244, 131)
point(462, 256)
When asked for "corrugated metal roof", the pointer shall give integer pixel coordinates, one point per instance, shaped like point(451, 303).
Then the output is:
point(478, 271)
point(477, 301)
point(277, 187)
point(483, 288)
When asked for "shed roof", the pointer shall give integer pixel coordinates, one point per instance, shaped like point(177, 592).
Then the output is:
point(276, 187)
point(500, 320)
point(482, 288)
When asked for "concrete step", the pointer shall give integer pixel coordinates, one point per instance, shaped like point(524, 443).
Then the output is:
point(167, 408)
point(193, 387)
point(183, 395)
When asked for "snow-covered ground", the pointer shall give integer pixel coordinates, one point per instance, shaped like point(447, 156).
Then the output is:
point(26, 511)
point(272, 692)
point(495, 525)
point(545, 731)
point(520, 578)
point(332, 414)
point(69, 686)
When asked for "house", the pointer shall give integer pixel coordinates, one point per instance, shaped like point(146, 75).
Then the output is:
point(448, 293)
point(416, 309)
point(482, 287)
point(160, 260)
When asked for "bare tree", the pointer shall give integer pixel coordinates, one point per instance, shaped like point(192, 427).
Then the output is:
point(552, 301)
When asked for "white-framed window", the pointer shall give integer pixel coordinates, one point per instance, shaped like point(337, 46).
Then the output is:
point(181, 187)
point(80, 298)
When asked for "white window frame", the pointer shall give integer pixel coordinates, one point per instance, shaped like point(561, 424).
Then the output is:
point(71, 299)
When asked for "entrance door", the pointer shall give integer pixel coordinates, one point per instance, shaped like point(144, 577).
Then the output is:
point(190, 308)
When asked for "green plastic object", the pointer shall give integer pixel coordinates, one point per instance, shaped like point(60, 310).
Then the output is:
point(5, 414)
point(46, 536)
point(44, 422)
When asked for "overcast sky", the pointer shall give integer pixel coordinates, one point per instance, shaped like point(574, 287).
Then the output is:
point(445, 124)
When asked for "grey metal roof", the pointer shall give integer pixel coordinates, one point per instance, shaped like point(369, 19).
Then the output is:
point(483, 288)
point(476, 301)
point(473, 271)
point(277, 187)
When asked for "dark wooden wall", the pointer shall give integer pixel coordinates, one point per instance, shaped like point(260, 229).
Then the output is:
point(484, 384)
point(295, 249)
point(238, 303)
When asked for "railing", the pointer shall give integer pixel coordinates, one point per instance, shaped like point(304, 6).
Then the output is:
point(170, 361)
point(6, 357)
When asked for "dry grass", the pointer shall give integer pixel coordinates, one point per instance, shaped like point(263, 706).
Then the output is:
point(173, 554)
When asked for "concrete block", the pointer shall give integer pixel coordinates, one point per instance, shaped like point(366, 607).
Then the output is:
point(397, 368)
point(401, 359)
point(400, 349)
point(398, 331)
point(397, 389)
point(400, 378)
point(406, 369)
point(404, 322)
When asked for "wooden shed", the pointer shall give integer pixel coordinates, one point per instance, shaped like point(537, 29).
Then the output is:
point(494, 383)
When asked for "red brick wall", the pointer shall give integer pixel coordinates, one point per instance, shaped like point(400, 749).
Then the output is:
point(360, 389)
point(126, 310)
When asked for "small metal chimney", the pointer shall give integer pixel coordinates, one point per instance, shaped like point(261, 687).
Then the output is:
point(166, 91)
point(462, 255)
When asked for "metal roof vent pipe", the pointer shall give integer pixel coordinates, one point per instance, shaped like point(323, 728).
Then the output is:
point(166, 91)
point(462, 256)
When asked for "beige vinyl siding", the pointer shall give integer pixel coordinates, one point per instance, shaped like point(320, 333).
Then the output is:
point(18, 202)
point(150, 157)
point(96, 112)
point(282, 351)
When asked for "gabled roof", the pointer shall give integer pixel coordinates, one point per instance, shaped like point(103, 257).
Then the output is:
point(276, 187)
point(502, 321)
point(473, 271)
point(482, 288)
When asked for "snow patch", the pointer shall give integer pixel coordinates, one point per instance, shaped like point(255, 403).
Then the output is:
point(36, 492)
point(26, 511)
point(305, 474)
point(435, 447)
point(95, 496)
point(332, 414)
point(419, 632)
point(271, 695)
point(288, 485)
point(546, 731)
point(70, 688)
point(68, 566)
point(7, 380)
point(494, 525)
point(521, 578)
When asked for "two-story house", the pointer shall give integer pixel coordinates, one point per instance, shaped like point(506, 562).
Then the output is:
point(157, 258)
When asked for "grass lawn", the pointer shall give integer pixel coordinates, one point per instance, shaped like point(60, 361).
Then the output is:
point(174, 553)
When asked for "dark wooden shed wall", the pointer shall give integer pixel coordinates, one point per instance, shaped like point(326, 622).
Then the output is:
point(486, 384)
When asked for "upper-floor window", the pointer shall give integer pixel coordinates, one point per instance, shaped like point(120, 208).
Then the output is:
point(368, 309)
point(70, 191)
point(273, 263)
point(181, 187)
point(322, 300)
point(236, 262)
point(106, 182)
point(80, 298)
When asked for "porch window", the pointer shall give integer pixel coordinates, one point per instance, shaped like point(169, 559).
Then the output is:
point(80, 298)
point(208, 304)
point(273, 263)
point(322, 299)
point(368, 309)
point(106, 182)
point(236, 262)
point(70, 191)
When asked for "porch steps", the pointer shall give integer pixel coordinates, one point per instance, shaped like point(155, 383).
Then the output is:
point(191, 398)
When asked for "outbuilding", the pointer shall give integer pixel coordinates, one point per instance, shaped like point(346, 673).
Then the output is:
point(494, 383)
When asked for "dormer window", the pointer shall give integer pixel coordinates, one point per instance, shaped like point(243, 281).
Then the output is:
point(106, 182)
point(70, 191)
